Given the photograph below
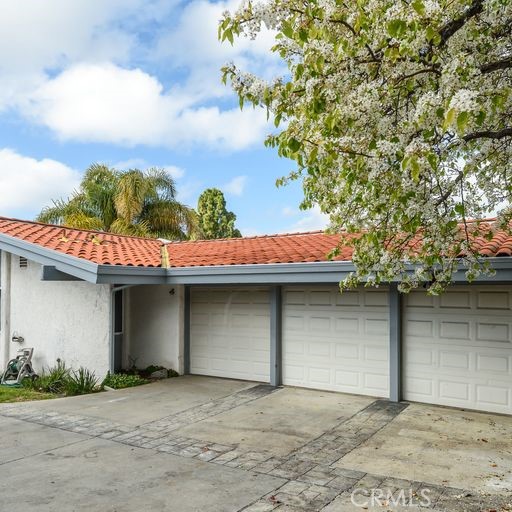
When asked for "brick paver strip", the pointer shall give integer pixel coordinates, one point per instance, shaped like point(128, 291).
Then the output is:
point(209, 409)
point(312, 482)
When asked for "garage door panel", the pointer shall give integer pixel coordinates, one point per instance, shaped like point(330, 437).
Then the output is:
point(493, 331)
point(493, 363)
point(493, 300)
point(230, 333)
point(349, 298)
point(458, 352)
point(336, 344)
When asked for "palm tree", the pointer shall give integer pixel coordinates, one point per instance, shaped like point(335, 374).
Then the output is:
point(132, 202)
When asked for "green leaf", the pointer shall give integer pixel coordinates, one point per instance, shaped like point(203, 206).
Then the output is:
point(419, 7)
point(294, 144)
point(396, 28)
point(287, 29)
point(462, 120)
point(449, 118)
point(480, 118)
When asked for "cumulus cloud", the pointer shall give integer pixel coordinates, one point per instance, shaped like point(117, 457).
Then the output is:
point(38, 38)
point(236, 186)
point(140, 163)
point(312, 220)
point(28, 184)
point(196, 30)
point(107, 103)
point(69, 66)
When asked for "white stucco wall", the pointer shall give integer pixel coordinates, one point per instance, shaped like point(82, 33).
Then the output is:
point(154, 326)
point(67, 320)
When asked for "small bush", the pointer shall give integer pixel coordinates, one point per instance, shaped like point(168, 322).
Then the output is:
point(123, 380)
point(81, 382)
point(52, 379)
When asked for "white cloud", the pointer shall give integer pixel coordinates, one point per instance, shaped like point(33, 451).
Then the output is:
point(106, 103)
point(175, 172)
point(28, 184)
point(312, 220)
point(197, 32)
point(39, 37)
point(140, 163)
point(236, 186)
point(69, 67)
point(288, 211)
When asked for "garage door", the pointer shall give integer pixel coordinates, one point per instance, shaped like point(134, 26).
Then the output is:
point(458, 350)
point(336, 341)
point(230, 333)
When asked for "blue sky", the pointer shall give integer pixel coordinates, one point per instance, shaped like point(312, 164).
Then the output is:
point(135, 83)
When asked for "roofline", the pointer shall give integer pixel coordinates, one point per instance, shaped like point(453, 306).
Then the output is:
point(78, 267)
point(267, 273)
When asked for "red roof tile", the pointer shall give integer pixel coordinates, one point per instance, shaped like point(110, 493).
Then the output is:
point(110, 249)
point(289, 248)
point(100, 248)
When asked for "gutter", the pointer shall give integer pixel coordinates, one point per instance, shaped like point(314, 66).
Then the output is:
point(322, 272)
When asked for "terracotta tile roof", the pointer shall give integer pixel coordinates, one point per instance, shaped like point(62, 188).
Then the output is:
point(110, 249)
point(288, 248)
point(100, 248)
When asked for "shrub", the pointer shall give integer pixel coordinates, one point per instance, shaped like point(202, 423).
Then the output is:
point(123, 380)
point(81, 382)
point(52, 379)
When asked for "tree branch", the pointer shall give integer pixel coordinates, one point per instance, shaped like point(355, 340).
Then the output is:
point(497, 65)
point(488, 134)
point(455, 25)
point(419, 72)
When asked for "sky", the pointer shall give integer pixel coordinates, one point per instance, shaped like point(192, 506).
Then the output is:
point(136, 84)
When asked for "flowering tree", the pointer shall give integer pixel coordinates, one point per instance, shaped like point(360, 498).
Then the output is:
point(398, 115)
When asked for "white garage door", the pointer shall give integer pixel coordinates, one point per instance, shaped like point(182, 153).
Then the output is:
point(230, 333)
point(336, 341)
point(458, 348)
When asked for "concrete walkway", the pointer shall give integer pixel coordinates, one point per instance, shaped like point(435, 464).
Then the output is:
point(206, 444)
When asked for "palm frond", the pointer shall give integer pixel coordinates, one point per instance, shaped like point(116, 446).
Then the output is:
point(130, 195)
point(161, 184)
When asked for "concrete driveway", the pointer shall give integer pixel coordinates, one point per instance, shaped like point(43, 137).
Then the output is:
point(207, 444)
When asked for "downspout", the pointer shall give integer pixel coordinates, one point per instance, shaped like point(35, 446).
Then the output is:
point(113, 291)
point(5, 284)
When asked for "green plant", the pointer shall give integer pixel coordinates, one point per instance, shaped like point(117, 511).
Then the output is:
point(81, 382)
point(53, 379)
point(123, 380)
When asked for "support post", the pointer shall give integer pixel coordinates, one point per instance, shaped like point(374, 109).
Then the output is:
point(395, 343)
point(186, 332)
point(275, 336)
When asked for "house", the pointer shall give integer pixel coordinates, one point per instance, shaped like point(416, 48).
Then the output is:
point(262, 309)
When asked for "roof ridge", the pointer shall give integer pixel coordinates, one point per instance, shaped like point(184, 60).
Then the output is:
point(234, 239)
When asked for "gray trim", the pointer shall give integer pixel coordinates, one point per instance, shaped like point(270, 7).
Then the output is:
point(50, 273)
point(323, 272)
point(276, 336)
point(395, 343)
point(77, 267)
point(186, 332)
point(113, 290)
point(121, 274)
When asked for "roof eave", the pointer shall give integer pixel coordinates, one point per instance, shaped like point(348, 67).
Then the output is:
point(78, 267)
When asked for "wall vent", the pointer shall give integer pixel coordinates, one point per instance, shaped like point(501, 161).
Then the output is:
point(23, 262)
